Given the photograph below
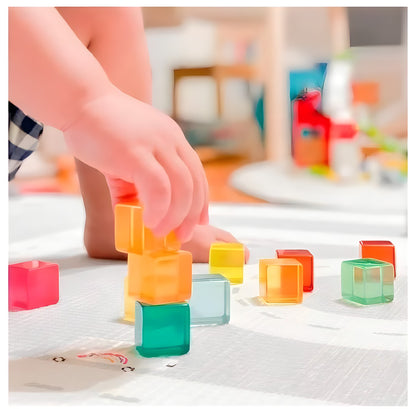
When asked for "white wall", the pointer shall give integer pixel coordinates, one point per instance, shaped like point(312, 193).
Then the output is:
point(191, 44)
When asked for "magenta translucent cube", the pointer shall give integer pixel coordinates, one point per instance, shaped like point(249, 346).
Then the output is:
point(33, 284)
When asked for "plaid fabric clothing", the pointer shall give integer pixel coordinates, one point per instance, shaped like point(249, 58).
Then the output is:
point(24, 133)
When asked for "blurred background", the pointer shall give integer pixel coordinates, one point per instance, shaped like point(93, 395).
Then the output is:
point(283, 105)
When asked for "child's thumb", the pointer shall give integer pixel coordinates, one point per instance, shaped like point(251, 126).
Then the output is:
point(121, 191)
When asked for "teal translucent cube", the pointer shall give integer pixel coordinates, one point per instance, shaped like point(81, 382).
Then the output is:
point(162, 330)
point(367, 281)
point(210, 300)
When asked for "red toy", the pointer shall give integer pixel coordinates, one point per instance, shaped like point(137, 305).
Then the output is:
point(310, 130)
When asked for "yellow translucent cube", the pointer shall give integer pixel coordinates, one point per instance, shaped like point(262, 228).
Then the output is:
point(131, 236)
point(160, 277)
point(227, 259)
point(129, 303)
point(281, 280)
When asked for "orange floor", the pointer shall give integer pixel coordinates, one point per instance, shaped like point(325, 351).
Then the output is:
point(218, 170)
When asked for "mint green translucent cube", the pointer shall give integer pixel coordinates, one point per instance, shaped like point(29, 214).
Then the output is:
point(162, 330)
point(367, 281)
point(210, 300)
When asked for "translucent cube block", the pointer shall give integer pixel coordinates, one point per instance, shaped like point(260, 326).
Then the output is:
point(162, 330)
point(210, 300)
point(227, 259)
point(33, 284)
point(131, 236)
point(281, 280)
point(129, 303)
point(380, 250)
point(367, 281)
point(160, 277)
point(306, 259)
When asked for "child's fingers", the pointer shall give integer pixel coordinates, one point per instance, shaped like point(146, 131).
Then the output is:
point(185, 230)
point(204, 219)
point(200, 181)
point(227, 237)
point(154, 188)
point(204, 216)
point(181, 202)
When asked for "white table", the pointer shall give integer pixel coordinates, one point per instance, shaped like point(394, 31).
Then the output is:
point(323, 351)
point(283, 183)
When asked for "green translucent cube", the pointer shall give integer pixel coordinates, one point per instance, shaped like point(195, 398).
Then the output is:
point(367, 281)
point(162, 330)
point(210, 300)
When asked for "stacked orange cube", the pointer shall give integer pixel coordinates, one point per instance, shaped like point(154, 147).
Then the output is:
point(158, 272)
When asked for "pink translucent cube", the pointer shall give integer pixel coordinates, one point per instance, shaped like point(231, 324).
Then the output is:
point(33, 284)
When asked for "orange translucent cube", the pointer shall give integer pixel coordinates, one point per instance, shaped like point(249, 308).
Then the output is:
point(160, 277)
point(306, 259)
point(153, 243)
point(129, 303)
point(380, 250)
point(131, 236)
point(281, 280)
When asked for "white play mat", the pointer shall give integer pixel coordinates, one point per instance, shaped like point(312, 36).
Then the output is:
point(322, 352)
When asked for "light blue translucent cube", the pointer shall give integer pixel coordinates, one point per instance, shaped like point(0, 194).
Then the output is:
point(210, 300)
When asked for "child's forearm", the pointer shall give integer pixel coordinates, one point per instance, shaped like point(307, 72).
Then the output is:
point(52, 75)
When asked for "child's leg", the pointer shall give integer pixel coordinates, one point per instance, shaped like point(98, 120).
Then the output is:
point(99, 217)
point(115, 36)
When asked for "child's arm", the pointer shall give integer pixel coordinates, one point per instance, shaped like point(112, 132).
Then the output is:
point(51, 74)
point(55, 79)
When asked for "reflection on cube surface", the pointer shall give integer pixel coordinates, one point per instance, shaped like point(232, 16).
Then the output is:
point(129, 303)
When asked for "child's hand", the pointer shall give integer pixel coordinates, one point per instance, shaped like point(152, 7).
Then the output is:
point(144, 154)
point(56, 79)
point(202, 238)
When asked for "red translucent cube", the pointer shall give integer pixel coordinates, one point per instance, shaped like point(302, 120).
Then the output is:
point(380, 250)
point(306, 259)
point(33, 284)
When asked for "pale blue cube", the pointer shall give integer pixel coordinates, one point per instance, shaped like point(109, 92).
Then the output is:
point(210, 300)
